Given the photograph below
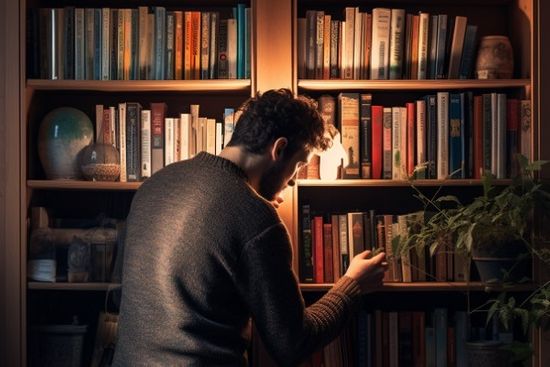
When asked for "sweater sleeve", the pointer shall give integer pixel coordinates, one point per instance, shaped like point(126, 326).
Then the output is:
point(266, 281)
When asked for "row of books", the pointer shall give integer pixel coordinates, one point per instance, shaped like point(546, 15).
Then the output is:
point(142, 43)
point(330, 241)
point(385, 44)
point(439, 136)
point(406, 338)
point(148, 140)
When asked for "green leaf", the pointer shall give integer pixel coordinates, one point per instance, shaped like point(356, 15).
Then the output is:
point(494, 308)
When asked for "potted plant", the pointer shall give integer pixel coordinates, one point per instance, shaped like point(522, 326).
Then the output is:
point(495, 232)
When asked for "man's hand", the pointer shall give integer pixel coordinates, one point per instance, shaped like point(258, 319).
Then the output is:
point(368, 271)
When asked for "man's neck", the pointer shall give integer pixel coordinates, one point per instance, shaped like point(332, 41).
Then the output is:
point(253, 165)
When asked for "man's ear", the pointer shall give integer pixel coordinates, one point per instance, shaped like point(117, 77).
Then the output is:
point(278, 148)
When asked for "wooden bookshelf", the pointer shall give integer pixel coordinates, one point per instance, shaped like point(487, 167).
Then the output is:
point(213, 85)
point(82, 185)
point(395, 183)
point(416, 85)
point(432, 287)
point(73, 286)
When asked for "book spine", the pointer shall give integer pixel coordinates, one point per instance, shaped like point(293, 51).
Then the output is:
point(410, 138)
point(440, 53)
point(169, 61)
point(122, 141)
point(143, 50)
point(133, 140)
point(349, 122)
point(365, 137)
point(306, 253)
point(442, 135)
point(468, 52)
point(69, 43)
point(423, 35)
point(397, 32)
point(223, 66)
point(160, 42)
point(185, 133)
point(214, 36)
point(145, 143)
point(525, 132)
point(205, 44)
point(455, 133)
point(232, 48)
point(512, 136)
point(376, 144)
point(326, 46)
point(421, 136)
point(380, 43)
point(334, 50)
point(387, 156)
point(241, 34)
point(158, 112)
point(105, 46)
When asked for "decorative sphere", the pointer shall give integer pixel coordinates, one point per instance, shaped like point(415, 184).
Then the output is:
point(100, 162)
point(63, 133)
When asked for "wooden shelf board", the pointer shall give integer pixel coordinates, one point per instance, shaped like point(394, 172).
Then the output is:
point(214, 85)
point(81, 185)
point(73, 286)
point(396, 183)
point(443, 84)
point(431, 287)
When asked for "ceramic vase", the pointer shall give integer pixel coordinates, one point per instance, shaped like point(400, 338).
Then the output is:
point(495, 58)
point(63, 133)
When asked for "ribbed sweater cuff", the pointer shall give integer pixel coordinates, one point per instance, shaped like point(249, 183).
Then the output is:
point(347, 286)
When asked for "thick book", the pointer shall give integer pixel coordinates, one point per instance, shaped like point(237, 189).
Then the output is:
point(158, 113)
point(145, 143)
point(377, 113)
point(423, 38)
point(468, 53)
point(457, 46)
point(306, 250)
point(397, 37)
point(348, 106)
point(365, 140)
point(442, 135)
point(380, 58)
point(133, 141)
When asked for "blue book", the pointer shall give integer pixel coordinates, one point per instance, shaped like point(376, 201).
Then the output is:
point(98, 22)
point(456, 136)
point(461, 334)
point(440, 326)
point(241, 33)
point(434, 19)
point(468, 53)
point(134, 63)
point(160, 42)
point(247, 44)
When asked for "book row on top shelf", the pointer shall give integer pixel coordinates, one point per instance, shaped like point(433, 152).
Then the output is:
point(158, 42)
point(412, 40)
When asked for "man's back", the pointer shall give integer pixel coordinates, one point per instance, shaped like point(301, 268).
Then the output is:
point(186, 230)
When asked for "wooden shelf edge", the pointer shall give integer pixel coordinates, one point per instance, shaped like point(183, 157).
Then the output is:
point(431, 287)
point(73, 286)
point(214, 85)
point(444, 84)
point(81, 185)
point(397, 183)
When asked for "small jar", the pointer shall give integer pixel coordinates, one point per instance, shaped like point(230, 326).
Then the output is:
point(100, 162)
point(495, 59)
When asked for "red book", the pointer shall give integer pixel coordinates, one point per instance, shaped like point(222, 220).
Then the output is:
point(478, 136)
point(377, 120)
point(418, 338)
point(318, 249)
point(327, 245)
point(411, 137)
point(512, 136)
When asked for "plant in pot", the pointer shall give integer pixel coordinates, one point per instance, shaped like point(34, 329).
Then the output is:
point(495, 232)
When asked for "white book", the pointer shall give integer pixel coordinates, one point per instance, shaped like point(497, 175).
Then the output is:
point(105, 43)
point(358, 44)
point(457, 44)
point(348, 46)
point(211, 136)
point(219, 137)
point(201, 135)
point(228, 125)
point(442, 135)
point(168, 141)
point(232, 47)
point(193, 137)
point(501, 135)
point(145, 143)
point(380, 57)
point(423, 34)
point(421, 131)
point(397, 33)
point(185, 133)
point(177, 141)
point(122, 140)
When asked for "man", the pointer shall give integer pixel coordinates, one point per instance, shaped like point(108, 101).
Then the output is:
point(206, 251)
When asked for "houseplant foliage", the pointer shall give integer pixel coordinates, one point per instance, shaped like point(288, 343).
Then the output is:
point(500, 219)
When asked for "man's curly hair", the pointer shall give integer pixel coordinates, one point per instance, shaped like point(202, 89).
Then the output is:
point(277, 113)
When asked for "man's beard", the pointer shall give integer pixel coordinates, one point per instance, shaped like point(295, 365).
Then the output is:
point(271, 182)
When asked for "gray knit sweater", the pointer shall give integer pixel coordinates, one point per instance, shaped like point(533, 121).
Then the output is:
point(204, 253)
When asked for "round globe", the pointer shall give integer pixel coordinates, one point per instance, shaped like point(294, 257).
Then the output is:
point(63, 133)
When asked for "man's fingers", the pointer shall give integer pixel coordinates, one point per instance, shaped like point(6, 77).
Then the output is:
point(379, 259)
point(365, 254)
